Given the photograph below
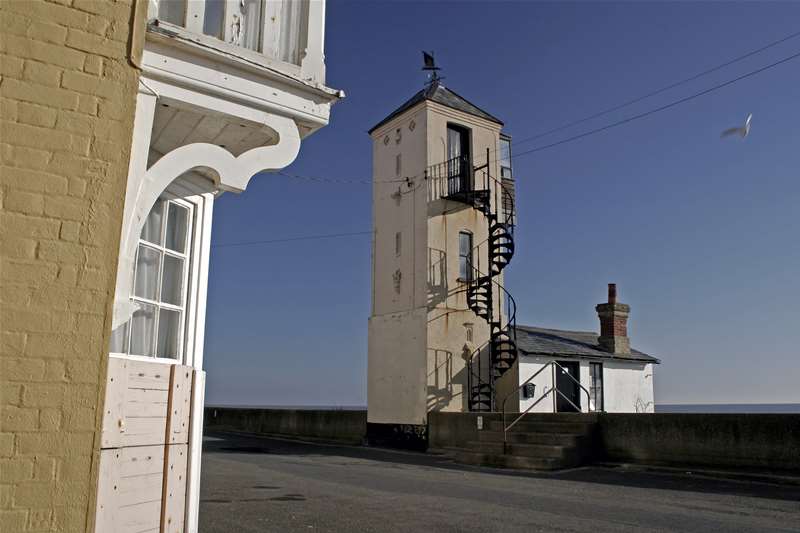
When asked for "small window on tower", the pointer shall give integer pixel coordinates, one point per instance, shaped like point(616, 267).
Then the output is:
point(398, 165)
point(505, 158)
point(465, 256)
point(398, 243)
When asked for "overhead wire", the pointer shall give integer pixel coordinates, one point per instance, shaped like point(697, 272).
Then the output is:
point(289, 239)
point(638, 99)
point(580, 135)
point(657, 109)
point(520, 154)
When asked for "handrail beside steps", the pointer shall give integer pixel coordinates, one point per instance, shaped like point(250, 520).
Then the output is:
point(547, 392)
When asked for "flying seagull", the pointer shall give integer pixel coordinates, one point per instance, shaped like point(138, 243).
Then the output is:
point(742, 131)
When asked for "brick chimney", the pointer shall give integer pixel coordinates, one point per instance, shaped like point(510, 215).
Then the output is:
point(614, 324)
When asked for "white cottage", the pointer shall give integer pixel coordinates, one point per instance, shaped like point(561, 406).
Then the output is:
point(569, 371)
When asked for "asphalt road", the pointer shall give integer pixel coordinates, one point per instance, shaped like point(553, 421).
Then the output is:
point(252, 484)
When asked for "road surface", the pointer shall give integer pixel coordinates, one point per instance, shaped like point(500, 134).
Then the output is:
point(252, 484)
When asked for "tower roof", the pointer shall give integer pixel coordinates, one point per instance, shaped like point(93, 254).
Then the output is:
point(436, 92)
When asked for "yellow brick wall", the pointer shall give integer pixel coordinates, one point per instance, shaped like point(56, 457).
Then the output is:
point(67, 99)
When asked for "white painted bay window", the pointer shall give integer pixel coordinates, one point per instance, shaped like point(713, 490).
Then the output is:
point(160, 281)
point(275, 28)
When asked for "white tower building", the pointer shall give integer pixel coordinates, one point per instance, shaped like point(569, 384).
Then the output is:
point(441, 331)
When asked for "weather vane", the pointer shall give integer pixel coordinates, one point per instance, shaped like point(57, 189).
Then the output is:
point(430, 66)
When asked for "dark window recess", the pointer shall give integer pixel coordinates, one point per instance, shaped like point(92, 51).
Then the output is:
point(465, 256)
point(459, 160)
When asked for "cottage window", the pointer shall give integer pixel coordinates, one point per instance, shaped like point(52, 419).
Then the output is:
point(465, 256)
point(596, 388)
point(160, 280)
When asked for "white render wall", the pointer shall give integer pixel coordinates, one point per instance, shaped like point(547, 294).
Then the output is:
point(422, 279)
point(627, 386)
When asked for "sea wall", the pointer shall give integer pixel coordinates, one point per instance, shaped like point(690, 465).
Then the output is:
point(343, 426)
point(741, 441)
point(757, 442)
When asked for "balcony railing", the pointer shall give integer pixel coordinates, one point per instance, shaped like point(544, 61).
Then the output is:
point(290, 31)
point(455, 179)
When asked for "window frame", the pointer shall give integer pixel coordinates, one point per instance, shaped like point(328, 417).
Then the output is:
point(190, 257)
point(468, 258)
point(509, 167)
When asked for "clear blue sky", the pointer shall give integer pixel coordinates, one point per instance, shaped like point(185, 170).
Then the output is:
point(702, 235)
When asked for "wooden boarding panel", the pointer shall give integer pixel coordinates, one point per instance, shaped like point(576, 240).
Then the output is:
point(180, 405)
point(138, 396)
point(144, 456)
point(174, 504)
point(129, 493)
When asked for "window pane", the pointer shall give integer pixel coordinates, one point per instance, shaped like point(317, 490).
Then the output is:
point(465, 256)
point(143, 329)
point(464, 244)
point(168, 328)
point(214, 18)
point(119, 339)
point(151, 232)
point(173, 11)
point(505, 153)
point(453, 143)
point(177, 222)
point(252, 24)
point(172, 280)
point(146, 281)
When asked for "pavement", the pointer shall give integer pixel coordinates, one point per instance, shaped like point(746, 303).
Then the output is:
point(258, 484)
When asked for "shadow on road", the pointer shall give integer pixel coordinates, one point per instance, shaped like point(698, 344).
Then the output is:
point(233, 443)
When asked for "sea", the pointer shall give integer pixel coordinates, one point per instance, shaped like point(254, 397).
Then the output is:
point(728, 408)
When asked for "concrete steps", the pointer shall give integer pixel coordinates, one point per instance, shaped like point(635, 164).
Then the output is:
point(537, 442)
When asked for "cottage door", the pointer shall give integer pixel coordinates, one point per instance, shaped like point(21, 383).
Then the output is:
point(565, 382)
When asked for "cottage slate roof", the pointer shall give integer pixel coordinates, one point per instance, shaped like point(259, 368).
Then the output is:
point(583, 344)
point(436, 92)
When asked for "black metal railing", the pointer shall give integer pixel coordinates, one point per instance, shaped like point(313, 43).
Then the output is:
point(455, 179)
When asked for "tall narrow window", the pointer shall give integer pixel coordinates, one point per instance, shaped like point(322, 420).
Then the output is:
point(596, 388)
point(505, 158)
point(159, 285)
point(398, 165)
point(398, 243)
point(465, 256)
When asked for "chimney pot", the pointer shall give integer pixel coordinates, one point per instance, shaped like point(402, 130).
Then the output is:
point(612, 293)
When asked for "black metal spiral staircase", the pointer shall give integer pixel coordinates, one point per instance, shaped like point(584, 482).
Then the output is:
point(462, 182)
point(481, 291)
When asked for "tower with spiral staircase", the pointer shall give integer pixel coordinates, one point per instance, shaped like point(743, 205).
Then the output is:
point(441, 328)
